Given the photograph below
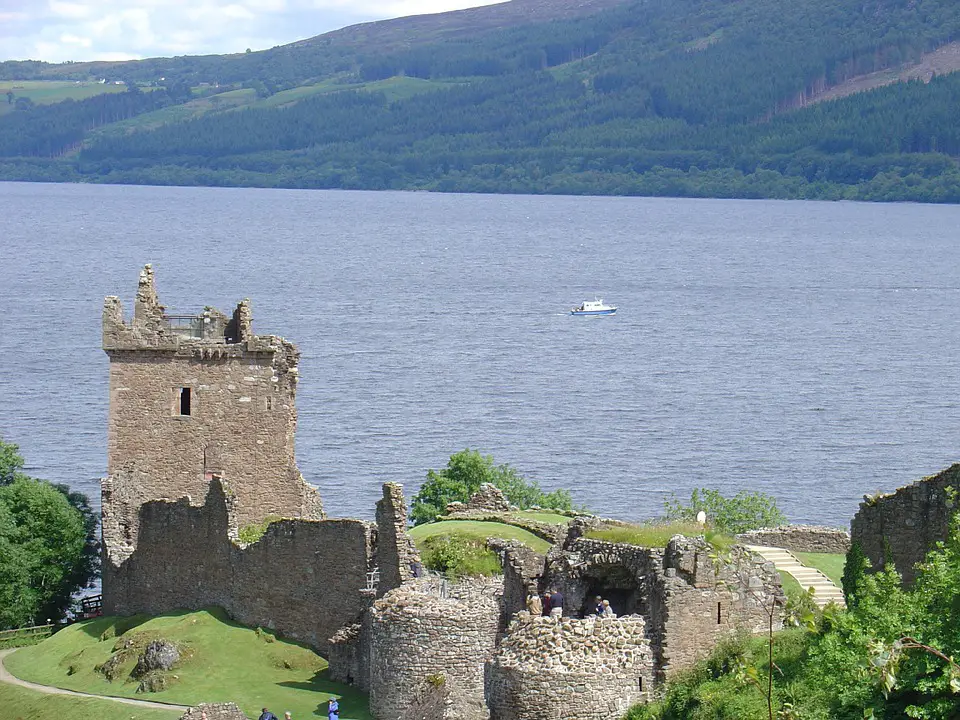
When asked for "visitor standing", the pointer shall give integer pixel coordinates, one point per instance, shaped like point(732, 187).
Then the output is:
point(556, 603)
point(598, 606)
point(534, 606)
point(607, 611)
point(546, 603)
point(267, 715)
point(333, 709)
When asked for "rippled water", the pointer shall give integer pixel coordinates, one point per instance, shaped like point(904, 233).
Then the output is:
point(809, 350)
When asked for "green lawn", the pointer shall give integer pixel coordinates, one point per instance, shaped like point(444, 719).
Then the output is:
point(658, 534)
point(479, 529)
point(541, 516)
point(830, 564)
point(22, 704)
point(223, 661)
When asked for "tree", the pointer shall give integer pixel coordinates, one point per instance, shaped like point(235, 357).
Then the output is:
point(48, 545)
point(11, 462)
point(466, 471)
point(740, 513)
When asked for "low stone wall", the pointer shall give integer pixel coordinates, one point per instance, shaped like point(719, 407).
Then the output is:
point(800, 538)
point(214, 711)
point(592, 669)
point(908, 523)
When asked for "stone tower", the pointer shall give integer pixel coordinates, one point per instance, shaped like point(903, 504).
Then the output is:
point(193, 398)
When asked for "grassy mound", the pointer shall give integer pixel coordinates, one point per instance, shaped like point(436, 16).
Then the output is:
point(658, 534)
point(22, 704)
point(543, 516)
point(477, 529)
point(220, 661)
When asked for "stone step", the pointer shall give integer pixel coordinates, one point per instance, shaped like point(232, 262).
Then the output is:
point(824, 590)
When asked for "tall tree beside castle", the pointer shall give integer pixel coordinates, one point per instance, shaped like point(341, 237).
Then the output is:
point(48, 545)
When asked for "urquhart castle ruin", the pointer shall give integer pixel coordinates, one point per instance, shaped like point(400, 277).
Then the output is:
point(201, 444)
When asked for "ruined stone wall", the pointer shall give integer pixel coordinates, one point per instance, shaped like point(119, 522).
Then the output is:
point(592, 669)
point(697, 600)
point(800, 538)
point(397, 558)
point(415, 634)
point(590, 561)
point(303, 578)
point(242, 412)
point(522, 568)
point(908, 523)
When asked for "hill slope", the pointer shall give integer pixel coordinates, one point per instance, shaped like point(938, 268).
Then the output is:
point(675, 97)
point(220, 662)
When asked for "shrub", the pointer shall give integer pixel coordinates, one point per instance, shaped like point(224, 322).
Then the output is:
point(459, 556)
point(466, 471)
point(253, 532)
point(740, 513)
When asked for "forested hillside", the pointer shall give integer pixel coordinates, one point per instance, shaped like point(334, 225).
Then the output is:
point(660, 97)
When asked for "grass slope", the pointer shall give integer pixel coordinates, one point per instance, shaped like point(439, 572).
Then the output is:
point(22, 704)
point(223, 662)
point(543, 516)
point(479, 529)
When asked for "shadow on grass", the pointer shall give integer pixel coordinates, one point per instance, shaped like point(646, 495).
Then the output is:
point(353, 703)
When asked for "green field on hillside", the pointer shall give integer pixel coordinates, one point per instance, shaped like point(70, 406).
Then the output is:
point(22, 704)
point(480, 530)
point(46, 92)
point(221, 661)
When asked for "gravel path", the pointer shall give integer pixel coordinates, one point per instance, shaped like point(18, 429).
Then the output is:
point(6, 677)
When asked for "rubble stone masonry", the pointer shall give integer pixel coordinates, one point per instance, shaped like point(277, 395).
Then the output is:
point(907, 524)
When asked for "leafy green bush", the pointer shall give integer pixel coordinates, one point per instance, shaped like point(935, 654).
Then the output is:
point(466, 471)
point(658, 534)
point(459, 556)
point(48, 545)
point(740, 513)
point(254, 531)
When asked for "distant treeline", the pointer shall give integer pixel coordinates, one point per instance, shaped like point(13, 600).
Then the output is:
point(663, 97)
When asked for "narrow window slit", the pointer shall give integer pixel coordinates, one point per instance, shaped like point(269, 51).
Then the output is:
point(185, 401)
point(718, 614)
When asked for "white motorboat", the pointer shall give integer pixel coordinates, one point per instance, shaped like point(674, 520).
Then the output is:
point(594, 307)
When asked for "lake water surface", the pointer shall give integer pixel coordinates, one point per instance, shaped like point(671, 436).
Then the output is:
point(808, 350)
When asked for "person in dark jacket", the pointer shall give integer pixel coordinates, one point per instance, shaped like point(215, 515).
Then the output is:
point(267, 715)
point(556, 603)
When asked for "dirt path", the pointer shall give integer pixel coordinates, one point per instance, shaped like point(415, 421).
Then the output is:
point(6, 677)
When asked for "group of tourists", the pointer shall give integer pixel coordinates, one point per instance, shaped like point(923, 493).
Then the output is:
point(333, 712)
point(551, 605)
